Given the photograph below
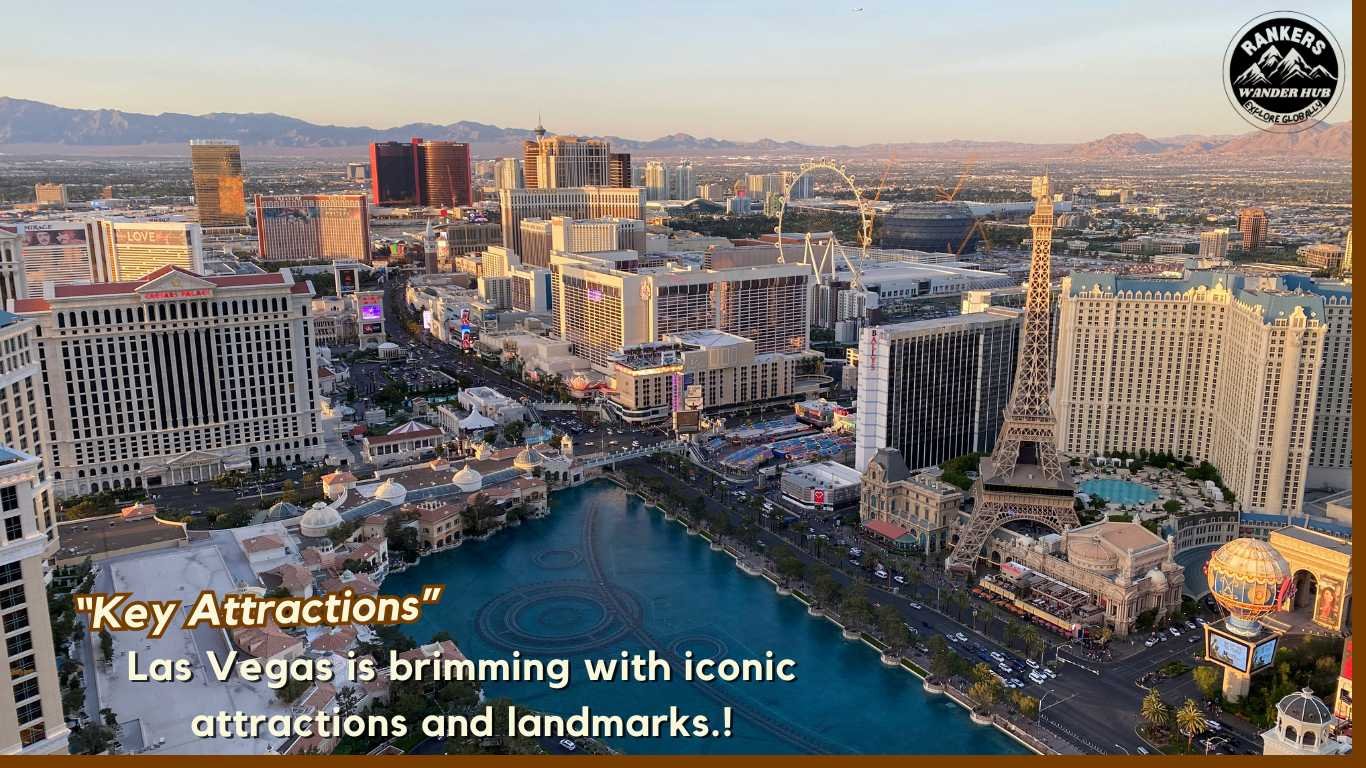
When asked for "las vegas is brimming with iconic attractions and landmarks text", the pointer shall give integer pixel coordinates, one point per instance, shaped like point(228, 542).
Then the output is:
point(941, 381)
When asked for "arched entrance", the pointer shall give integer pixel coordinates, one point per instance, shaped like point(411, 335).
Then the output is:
point(1306, 591)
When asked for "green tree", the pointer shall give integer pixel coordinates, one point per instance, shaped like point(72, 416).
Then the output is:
point(1154, 710)
point(1190, 720)
point(986, 692)
point(106, 645)
point(1025, 704)
point(855, 608)
point(789, 567)
point(90, 740)
point(824, 587)
point(893, 628)
point(1209, 680)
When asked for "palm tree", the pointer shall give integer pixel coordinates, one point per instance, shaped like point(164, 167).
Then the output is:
point(1154, 710)
point(1190, 720)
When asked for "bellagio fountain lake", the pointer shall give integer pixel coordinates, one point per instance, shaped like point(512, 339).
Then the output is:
point(603, 574)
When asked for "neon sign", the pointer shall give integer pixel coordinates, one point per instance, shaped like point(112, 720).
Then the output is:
point(190, 294)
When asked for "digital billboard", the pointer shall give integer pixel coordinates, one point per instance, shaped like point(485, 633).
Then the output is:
point(1264, 654)
point(347, 278)
point(371, 312)
point(1227, 651)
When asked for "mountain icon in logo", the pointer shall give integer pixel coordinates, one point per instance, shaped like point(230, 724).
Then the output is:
point(1271, 68)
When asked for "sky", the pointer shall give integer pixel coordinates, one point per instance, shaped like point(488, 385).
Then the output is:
point(816, 72)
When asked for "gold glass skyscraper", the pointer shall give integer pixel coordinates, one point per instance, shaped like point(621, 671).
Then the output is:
point(216, 167)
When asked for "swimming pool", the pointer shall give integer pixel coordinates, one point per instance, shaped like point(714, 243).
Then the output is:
point(1119, 491)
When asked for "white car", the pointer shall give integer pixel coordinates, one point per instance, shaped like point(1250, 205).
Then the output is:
point(1174, 631)
point(1032, 664)
point(568, 745)
point(997, 656)
point(917, 606)
point(1049, 672)
point(881, 574)
point(1150, 642)
point(1037, 678)
point(899, 579)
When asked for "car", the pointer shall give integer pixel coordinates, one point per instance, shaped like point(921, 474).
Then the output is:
point(568, 744)
point(899, 579)
point(917, 606)
point(962, 638)
point(1190, 625)
point(1175, 632)
point(855, 551)
point(1037, 678)
point(1214, 725)
point(1049, 672)
point(1032, 664)
point(1150, 642)
point(881, 574)
point(1004, 667)
point(1141, 750)
point(635, 443)
point(1016, 682)
point(997, 656)
point(855, 563)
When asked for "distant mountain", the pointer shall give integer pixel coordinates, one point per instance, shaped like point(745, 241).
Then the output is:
point(33, 127)
point(1321, 142)
point(1120, 145)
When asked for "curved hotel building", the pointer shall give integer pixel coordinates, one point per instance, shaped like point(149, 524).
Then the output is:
point(175, 378)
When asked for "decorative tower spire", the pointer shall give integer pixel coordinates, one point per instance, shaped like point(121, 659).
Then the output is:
point(1023, 479)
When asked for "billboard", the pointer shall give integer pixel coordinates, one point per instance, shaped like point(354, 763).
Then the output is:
point(1264, 653)
point(371, 312)
point(347, 278)
point(54, 234)
point(135, 235)
point(687, 422)
point(1239, 653)
point(1227, 651)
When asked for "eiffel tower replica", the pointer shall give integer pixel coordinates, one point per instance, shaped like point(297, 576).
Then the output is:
point(1023, 479)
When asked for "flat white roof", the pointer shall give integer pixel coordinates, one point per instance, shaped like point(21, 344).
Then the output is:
point(827, 473)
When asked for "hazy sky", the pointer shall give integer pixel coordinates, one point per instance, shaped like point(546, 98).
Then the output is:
point(738, 69)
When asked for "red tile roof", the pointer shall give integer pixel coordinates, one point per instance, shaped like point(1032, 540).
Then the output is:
point(886, 529)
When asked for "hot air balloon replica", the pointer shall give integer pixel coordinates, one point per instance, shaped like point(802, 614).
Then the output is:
point(1249, 579)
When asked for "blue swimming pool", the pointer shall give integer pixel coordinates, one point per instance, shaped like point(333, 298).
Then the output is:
point(604, 574)
point(1119, 491)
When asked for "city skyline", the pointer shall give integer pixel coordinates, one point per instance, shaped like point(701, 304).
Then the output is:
point(750, 77)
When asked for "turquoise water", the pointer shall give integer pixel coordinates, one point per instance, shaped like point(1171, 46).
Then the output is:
point(536, 588)
point(1119, 491)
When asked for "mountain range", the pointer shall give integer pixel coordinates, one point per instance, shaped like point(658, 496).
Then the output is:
point(33, 127)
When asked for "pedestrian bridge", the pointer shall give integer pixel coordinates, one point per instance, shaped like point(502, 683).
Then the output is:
point(592, 460)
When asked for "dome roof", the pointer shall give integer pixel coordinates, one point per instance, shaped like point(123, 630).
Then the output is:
point(468, 479)
point(318, 520)
point(1246, 576)
point(1157, 578)
point(392, 492)
point(529, 458)
point(1092, 555)
point(1305, 707)
point(282, 510)
point(579, 383)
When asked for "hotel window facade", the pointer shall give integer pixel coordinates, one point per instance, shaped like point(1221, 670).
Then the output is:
point(1208, 367)
point(175, 379)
